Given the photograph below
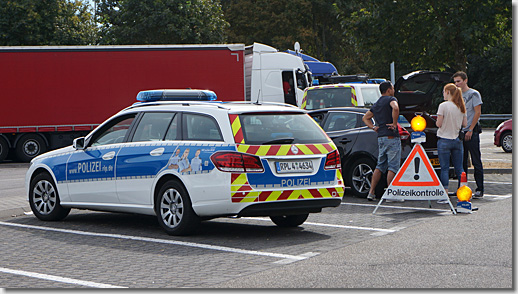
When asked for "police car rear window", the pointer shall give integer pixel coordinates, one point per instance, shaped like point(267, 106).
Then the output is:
point(281, 128)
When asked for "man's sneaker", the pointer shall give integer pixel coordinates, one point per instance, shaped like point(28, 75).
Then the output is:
point(371, 197)
point(478, 195)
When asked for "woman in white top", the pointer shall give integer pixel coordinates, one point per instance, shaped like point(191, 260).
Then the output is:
point(451, 116)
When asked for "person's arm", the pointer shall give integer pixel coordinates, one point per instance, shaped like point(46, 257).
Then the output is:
point(395, 115)
point(469, 133)
point(440, 117)
point(367, 119)
point(464, 121)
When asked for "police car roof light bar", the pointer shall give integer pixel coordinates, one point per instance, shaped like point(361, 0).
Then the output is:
point(176, 95)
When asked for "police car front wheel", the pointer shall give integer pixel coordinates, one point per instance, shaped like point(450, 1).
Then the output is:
point(174, 210)
point(289, 220)
point(44, 199)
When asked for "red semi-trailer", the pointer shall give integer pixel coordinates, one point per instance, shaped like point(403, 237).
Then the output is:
point(51, 95)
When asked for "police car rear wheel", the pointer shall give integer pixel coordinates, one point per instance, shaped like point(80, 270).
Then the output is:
point(44, 199)
point(289, 220)
point(174, 210)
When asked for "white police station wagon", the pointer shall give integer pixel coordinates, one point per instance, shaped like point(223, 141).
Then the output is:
point(187, 161)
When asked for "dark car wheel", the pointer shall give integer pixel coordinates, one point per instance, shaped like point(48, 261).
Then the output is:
point(507, 142)
point(359, 176)
point(174, 210)
point(44, 199)
point(289, 220)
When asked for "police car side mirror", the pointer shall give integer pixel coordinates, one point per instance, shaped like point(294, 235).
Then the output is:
point(79, 143)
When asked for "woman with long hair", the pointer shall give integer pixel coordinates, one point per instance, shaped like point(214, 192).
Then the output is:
point(451, 117)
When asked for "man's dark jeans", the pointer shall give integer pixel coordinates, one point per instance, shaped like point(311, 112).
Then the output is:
point(473, 146)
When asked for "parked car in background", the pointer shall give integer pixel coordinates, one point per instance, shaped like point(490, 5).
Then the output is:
point(340, 95)
point(504, 135)
point(357, 144)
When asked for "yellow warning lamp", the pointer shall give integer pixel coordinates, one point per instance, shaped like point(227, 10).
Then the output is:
point(418, 123)
point(464, 193)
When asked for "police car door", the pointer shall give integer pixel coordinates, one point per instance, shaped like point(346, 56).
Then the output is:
point(91, 172)
point(150, 151)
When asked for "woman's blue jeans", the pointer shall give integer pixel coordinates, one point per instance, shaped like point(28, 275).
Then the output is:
point(450, 148)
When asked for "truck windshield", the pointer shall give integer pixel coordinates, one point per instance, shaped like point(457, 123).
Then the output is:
point(329, 97)
point(281, 128)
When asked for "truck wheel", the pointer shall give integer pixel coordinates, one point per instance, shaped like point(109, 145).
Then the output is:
point(288, 221)
point(507, 142)
point(30, 146)
point(174, 210)
point(4, 149)
point(44, 199)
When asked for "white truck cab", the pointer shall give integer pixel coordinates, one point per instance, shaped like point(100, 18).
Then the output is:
point(273, 76)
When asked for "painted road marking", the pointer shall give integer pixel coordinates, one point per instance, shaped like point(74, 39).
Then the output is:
point(57, 278)
point(398, 207)
point(332, 225)
point(286, 257)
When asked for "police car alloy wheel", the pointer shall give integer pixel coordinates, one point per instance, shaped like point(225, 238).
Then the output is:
point(44, 199)
point(174, 210)
point(289, 220)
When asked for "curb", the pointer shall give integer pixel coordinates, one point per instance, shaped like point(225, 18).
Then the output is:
point(494, 171)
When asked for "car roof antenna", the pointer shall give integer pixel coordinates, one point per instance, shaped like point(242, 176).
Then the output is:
point(258, 95)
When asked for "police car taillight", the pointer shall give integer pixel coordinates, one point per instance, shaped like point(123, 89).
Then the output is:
point(237, 162)
point(333, 160)
point(176, 95)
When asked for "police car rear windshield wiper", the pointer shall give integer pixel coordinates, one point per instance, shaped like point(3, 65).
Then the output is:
point(279, 141)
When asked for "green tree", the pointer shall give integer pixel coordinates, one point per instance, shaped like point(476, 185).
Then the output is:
point(430, 34)
point(46, 22)
point(161, 21)
point(278, 23)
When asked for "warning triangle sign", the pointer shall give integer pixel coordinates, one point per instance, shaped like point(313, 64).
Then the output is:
point(416, 170)
point(416, 180)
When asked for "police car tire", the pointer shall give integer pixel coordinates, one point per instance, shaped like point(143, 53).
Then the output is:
point(174, 210)
point(31, 143)
point(44, 199)
point(289, 220)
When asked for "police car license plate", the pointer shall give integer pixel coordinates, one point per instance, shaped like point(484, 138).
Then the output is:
point(294, 166)
point(434, 161)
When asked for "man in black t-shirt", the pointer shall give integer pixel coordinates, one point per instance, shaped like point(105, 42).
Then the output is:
point(386, 112)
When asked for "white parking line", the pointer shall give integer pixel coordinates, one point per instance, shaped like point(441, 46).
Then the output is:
point(57, 278)
point(287, 258)
point(332, 225)
point(398, 207)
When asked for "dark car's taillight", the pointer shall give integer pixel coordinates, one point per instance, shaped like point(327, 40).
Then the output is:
point(228, 161)
point(403, 133)
point(333, 160)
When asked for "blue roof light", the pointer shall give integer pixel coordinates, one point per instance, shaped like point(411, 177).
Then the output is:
point(176, 95)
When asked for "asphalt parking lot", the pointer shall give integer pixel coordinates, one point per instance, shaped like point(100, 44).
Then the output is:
point(403, 245)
